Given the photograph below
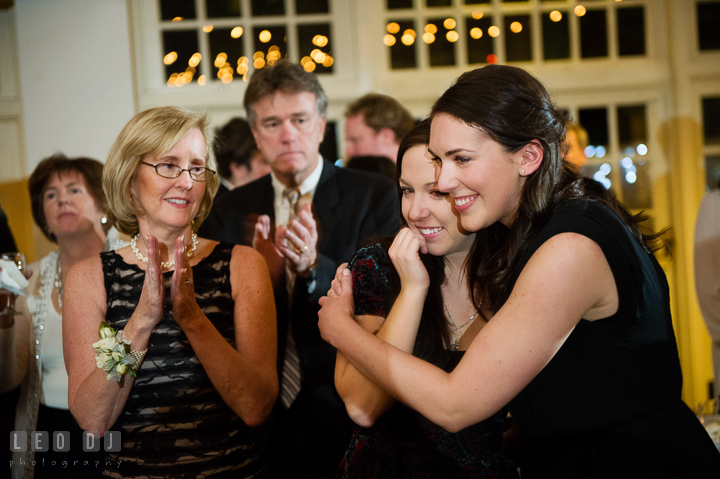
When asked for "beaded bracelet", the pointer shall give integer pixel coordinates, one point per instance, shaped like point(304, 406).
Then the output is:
point(114, 356)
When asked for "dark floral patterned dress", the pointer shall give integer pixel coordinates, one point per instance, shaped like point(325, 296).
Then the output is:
point(175, 424)
point(402, 443)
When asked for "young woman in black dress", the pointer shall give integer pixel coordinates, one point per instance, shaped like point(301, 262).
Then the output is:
point(581, 345)
point(435, 319)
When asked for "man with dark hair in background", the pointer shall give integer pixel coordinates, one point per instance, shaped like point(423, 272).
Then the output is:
point(374, 126)
point(306, 217)
point(239, 161)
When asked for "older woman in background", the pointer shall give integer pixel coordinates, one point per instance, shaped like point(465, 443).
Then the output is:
point(69, 206)
point(200, 313)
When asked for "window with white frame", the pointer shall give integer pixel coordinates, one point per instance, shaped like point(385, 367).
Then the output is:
point(222, 40)
point(434, 33)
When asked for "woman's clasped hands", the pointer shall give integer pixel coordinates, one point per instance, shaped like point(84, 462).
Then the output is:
point(182, 290)
point(339, 304)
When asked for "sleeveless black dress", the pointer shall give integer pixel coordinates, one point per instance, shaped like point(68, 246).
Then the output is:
point(403, 443)
point(608, 404)
point(175, 424)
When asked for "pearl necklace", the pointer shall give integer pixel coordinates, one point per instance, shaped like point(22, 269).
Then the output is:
point(163, 264)
point(456, 341)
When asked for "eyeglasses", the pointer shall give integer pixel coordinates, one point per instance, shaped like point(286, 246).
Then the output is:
point(168, 170)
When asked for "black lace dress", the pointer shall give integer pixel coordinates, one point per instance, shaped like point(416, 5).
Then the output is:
point(402, 443)
point(175, 424)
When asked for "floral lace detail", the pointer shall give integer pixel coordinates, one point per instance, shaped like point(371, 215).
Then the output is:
point(370, 272)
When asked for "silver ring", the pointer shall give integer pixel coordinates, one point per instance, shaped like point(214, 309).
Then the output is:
point(304, 248)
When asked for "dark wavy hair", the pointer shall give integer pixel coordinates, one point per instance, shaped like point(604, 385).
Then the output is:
point(433, 332)
point(513, 108)
point(234, 143)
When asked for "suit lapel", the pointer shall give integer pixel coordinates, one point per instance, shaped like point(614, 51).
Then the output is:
point(327, 196)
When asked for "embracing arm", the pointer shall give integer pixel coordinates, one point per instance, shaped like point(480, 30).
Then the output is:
point(566, 279)
point(245, 376)
point(364, 400)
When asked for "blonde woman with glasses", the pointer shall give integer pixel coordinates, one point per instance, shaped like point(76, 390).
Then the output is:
point(185, 361)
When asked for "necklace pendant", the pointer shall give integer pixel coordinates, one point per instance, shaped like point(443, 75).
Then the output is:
point(455, 344)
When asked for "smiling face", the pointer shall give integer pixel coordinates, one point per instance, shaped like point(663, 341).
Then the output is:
point(288, 131)
point(427, 210)
point(69, 207)
point(165, 202)
point(483, 180)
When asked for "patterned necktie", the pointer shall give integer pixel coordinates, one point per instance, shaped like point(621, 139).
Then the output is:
point(291, 364)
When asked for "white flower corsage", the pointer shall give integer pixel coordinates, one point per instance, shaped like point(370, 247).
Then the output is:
point(114, 356)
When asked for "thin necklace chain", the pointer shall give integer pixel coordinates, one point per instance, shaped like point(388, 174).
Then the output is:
point(163, 264)
point(58, 283)
point(456, 342)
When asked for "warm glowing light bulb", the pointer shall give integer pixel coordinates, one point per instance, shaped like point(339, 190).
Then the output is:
point(320, 40)
point(304, 60)
point(207, 28)
point(389, 40)
point(452, 36)
point(202, 80)
point(516, 27)
point(555, 16)
point(580, 10)
point(449, 23)
point(236, 32)
point(170, 58)
point(220, 60)
point(317, 56)
point(410, 31)
point(494, 31)
point(309, 66)
point(492, 58)
point(258, 63)
point(477, 15)
point(428, 37)
point(265, 36)
point(408, 39)
point(393, 28)
point(431, 28)
point(257, 55)
point(476, 33)
point(177, 19)
point(195, 59)
point(328, 61)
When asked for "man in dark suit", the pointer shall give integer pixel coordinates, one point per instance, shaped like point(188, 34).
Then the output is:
point(306, 217)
